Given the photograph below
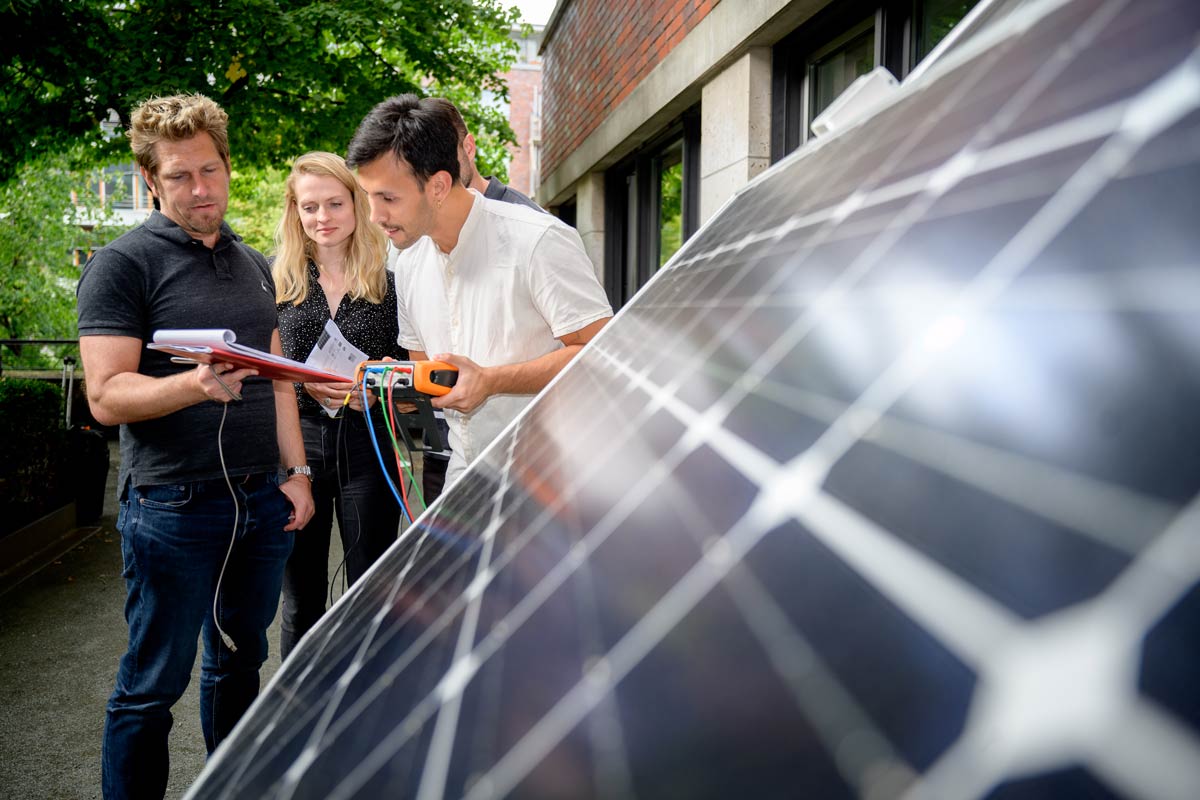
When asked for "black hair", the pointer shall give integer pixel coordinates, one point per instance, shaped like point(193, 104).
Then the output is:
point(451, 111)
point(419, 131)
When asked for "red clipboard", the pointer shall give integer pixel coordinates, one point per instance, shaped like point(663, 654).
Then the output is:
point(207, 346)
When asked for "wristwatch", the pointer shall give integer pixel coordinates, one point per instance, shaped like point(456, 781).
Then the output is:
point(306, 471)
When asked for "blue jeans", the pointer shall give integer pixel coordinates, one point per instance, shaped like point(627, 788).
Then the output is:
point(367, 514)
point(174, 539)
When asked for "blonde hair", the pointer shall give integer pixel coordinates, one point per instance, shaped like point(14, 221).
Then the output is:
point(365, 269)
point(173, 119)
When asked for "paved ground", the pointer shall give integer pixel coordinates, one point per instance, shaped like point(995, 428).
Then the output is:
point(62, 633)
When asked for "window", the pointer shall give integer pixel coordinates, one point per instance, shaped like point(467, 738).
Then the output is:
point(835, 67)
point(567, 212)
point(123, 184)
point(670, 202)
point(652, 206)
point(815, 63)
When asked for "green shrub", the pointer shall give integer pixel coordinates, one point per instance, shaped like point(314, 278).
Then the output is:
point(33, 452)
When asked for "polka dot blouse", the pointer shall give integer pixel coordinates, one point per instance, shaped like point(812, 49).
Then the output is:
point(371, 327)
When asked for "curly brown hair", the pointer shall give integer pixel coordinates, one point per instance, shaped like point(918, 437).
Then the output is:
point(172, 119)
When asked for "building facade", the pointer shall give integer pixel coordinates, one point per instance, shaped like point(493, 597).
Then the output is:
point(524, 82)
point(655, 112)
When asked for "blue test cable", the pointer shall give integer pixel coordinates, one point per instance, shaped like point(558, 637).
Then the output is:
point(378, 454)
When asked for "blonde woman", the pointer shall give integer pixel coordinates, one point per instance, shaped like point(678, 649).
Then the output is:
point(330, 264)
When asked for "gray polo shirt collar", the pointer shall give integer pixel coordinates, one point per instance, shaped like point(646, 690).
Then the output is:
point(163, 226)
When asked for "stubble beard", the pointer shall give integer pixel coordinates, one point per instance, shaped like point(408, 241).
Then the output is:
point(202, 223)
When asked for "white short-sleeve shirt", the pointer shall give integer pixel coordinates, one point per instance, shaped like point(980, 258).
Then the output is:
point(516, 281)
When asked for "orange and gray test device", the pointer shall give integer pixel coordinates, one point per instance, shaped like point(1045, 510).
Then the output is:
point(415, 382)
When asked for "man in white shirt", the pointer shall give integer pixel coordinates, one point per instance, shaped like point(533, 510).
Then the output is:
point(435, 462)
point(504, 293)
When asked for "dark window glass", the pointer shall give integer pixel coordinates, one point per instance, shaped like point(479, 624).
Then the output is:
point(818, 60)
point(832, 72)
point(936, 18)
point(567, 212)
point(652, 202)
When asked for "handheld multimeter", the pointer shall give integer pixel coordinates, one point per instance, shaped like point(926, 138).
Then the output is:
point(409, 378)
point(415, 383)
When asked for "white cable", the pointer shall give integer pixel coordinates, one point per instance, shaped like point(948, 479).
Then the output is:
point(225, 637)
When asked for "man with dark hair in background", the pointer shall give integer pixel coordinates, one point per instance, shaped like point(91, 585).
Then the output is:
point(205, 521)
point(490, 187)
point(502, 292)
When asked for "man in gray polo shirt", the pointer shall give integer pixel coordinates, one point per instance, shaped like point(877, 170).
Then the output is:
point(206, 525)
point(490, 187)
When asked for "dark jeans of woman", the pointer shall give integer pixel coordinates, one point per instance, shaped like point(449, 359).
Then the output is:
point(348, 482)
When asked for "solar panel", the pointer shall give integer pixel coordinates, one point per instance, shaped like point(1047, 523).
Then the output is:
point(885, 487)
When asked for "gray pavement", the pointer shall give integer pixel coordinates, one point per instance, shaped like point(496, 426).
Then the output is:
point(62, 632)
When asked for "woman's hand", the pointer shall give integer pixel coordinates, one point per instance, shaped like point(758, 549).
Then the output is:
point(334, 395)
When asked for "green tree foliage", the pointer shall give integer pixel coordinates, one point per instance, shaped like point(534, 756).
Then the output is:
point(47, 211)
point(670, 214)
point(256, 204)
point(294, 75)
point(938, 17)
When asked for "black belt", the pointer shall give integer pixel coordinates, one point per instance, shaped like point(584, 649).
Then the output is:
point(257, 479)
point(251, 482)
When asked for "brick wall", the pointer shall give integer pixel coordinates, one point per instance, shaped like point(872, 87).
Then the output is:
point(597, 54)
point(524, 82)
